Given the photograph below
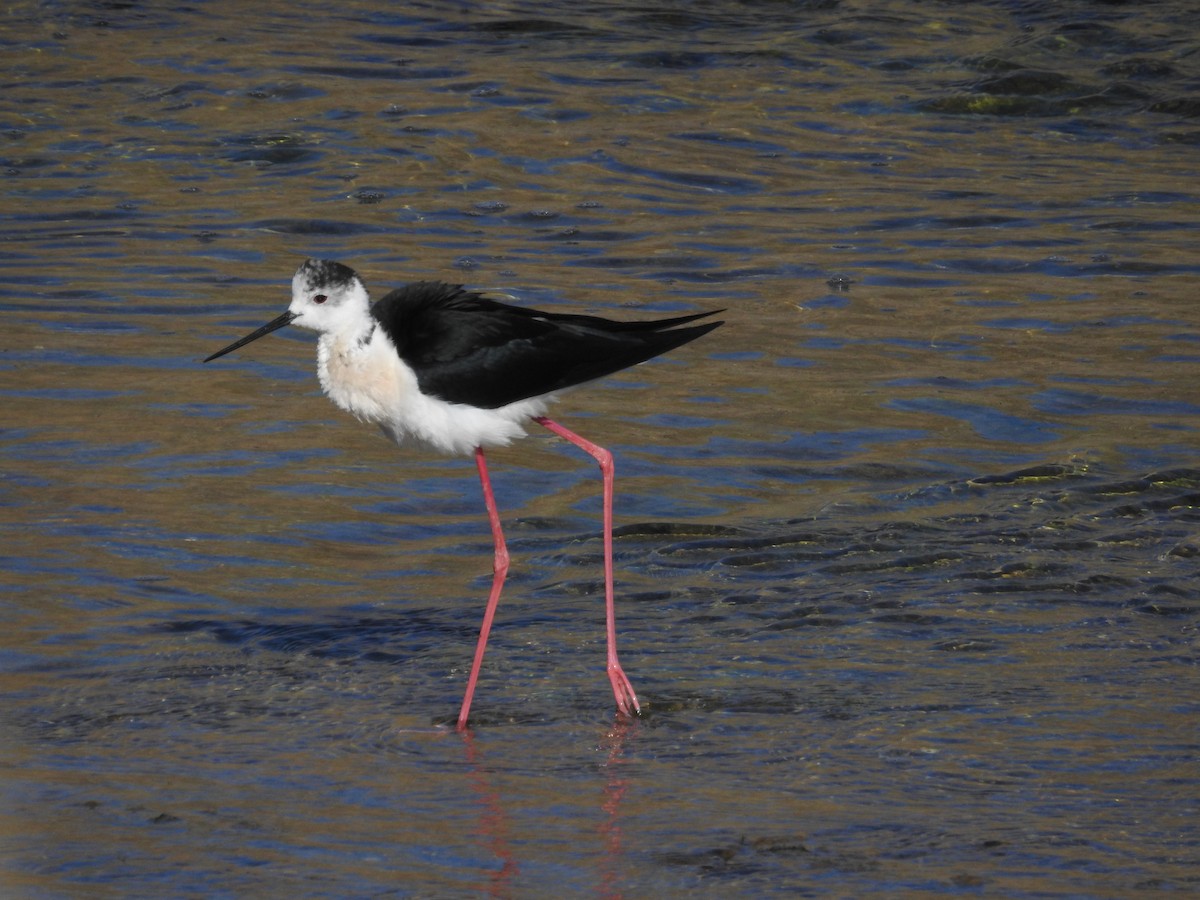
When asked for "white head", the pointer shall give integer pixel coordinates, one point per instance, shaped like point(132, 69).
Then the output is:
point(327, 297)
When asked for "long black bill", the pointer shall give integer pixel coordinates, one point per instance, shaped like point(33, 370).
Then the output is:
point(273, 325)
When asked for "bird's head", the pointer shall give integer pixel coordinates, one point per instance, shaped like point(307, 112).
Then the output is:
point(326, 297)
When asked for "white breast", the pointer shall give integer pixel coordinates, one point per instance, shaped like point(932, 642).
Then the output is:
point(370, 380)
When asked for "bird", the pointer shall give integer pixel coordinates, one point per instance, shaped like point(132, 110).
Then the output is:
point(459, 372)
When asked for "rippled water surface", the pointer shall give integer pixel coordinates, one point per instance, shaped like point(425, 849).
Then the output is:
point(908, 551)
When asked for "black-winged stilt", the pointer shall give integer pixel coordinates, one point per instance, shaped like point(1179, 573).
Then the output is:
point(458, 372)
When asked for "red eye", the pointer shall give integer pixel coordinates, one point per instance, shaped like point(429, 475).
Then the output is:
point(319, 298)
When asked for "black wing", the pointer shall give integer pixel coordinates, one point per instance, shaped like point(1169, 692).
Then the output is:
point(466, 348)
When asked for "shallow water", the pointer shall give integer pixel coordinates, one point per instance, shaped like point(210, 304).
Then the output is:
point(908, 550)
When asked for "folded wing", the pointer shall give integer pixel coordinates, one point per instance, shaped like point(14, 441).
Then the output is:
point(466, 348)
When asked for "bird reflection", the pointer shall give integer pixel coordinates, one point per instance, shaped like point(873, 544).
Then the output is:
point(494, 827)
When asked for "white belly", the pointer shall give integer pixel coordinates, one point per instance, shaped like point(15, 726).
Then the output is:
point(370, 381)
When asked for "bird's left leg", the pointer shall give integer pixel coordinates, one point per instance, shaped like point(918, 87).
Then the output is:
point(499, 570)
point(627, 701)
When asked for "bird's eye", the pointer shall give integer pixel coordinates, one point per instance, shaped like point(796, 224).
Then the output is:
point(319, 298)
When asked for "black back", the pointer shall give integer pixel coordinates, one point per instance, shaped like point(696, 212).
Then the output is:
point(470, 349)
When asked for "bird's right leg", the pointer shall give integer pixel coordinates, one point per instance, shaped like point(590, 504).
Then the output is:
point(499, 570)
point(627, 701)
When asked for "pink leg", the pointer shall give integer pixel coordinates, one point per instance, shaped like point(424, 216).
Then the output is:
point(499, 570)
point(627, 701)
